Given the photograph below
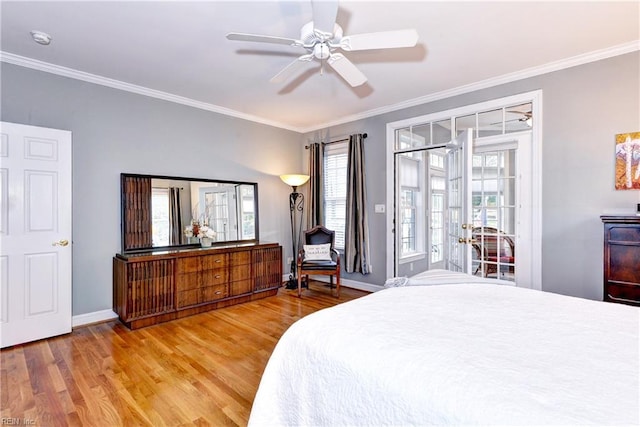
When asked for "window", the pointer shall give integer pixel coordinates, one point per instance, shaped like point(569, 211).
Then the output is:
point(160, 216)
point(411, 211)
point(408, 221)
point(335, 190)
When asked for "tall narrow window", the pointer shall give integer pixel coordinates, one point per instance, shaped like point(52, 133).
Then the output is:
point(160, 216)
point(335, 190)
point(411, 181)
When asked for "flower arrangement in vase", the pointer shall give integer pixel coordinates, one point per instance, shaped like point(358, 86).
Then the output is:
point(205, 233)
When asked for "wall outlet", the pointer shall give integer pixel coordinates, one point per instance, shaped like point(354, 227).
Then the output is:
point(379, 208)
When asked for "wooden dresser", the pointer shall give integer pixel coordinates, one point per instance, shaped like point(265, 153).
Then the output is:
point(154, 287)
point(622, 259)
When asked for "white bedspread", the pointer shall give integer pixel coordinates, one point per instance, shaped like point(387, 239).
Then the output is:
point(456, 355)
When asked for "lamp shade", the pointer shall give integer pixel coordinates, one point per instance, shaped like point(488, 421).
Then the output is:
point(294, 180)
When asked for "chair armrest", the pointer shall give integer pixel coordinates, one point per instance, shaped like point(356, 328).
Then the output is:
point(337, 254)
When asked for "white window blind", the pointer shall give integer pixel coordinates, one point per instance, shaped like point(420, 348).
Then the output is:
point(335, 190)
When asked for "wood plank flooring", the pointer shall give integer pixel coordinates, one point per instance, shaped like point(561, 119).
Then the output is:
point(202, 370)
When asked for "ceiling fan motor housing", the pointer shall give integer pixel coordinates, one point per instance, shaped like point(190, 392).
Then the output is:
point(310, 36)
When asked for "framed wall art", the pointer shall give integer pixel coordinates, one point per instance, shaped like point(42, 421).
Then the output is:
point(628, 161)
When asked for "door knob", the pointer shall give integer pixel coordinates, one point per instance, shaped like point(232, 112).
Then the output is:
point(62, 242)
point(463, 240)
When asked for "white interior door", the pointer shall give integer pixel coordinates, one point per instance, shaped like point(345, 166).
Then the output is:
point(458, 211)
point(35, 254)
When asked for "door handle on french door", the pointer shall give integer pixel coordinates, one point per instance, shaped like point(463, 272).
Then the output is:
point(62, 242)
point(463, 240)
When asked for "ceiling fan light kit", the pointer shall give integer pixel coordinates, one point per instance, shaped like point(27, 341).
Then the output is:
point(322, 45)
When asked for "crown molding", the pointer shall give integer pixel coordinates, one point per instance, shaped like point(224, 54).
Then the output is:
point(573, 61)
point(506, 78)
point(34, 64)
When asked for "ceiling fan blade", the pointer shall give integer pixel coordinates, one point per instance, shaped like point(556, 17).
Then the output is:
point(346, 69)
point(380, 40)
point(324, 16)
point(263, 39)
point(291, 68)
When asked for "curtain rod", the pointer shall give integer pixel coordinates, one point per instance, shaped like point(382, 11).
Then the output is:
point(364, 135)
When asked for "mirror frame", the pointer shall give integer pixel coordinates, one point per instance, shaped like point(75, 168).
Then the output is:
point(129, 230)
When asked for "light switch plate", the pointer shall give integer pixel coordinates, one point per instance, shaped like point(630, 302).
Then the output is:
point(379, 208)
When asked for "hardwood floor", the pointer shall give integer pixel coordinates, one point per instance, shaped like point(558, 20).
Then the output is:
point(201, 370)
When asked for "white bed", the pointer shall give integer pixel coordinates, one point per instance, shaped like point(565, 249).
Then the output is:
point(456, 354)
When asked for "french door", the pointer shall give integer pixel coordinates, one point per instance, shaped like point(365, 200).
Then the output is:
point(35, 228)
point(479, 219)
point(501, 208)
point(477, 211)
point(458, 224)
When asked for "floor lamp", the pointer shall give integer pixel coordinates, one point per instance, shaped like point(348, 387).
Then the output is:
point(296, 208)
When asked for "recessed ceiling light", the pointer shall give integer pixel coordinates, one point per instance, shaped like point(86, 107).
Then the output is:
point(40, 37)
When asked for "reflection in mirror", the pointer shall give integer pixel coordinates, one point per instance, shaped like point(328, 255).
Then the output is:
point(163, 212)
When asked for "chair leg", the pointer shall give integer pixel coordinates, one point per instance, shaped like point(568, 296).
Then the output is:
point(299, 284)
point(337, 284)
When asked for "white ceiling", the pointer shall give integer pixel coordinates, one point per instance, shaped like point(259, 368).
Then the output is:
point(178, 50)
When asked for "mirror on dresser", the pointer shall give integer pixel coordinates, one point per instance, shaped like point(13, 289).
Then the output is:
point(160, 212)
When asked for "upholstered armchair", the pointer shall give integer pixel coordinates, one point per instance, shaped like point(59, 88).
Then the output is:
point(319, 257)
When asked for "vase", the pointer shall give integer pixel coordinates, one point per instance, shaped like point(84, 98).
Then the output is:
point(206, 242)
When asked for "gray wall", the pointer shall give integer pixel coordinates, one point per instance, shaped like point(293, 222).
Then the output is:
point(116, 131)
point(583, 108)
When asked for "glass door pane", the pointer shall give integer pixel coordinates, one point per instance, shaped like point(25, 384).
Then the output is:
point(494, 214)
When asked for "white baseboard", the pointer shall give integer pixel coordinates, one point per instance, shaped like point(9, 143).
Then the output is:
point(95, 317)
point(354, 284)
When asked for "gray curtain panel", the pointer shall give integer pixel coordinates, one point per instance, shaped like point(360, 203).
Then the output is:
point(356, 251)
point(175, 221)
point(315, 212)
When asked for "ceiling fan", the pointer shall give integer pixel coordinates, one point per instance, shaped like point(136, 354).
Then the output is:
point(323, 37)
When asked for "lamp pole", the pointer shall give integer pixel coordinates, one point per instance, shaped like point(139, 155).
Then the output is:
point(296, 209)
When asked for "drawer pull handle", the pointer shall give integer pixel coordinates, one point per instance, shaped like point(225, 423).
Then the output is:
point(218, 292)
point(218, 260)
point(217, 276)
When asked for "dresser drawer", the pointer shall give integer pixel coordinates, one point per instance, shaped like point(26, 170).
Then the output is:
point(622, 292)
point(187, 281)
point(189, 265)
point(210, 262)
point(215, 277)
point(241, 287)
point(241, 258)
point(240, 272)
point(187, 298)
point(624, 263)
point(212, 293)
point(624, 233)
